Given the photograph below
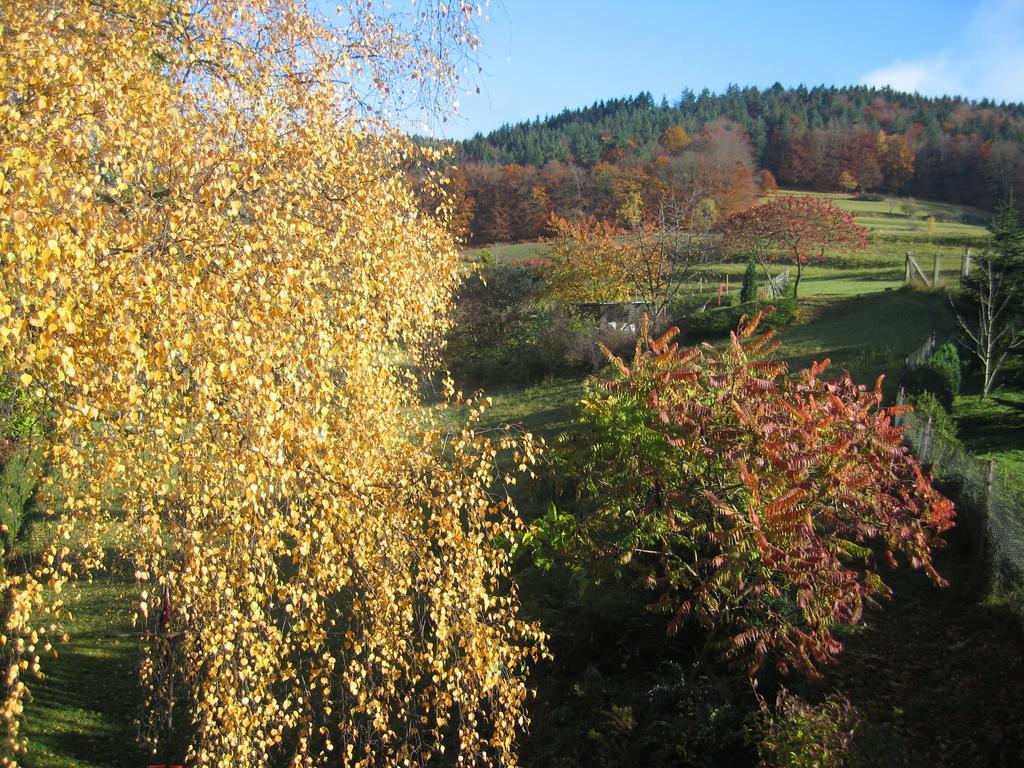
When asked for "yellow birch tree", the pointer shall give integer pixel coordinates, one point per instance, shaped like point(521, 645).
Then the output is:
point(214, 273)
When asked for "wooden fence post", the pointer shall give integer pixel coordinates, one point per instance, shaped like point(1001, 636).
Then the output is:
point(906, 268)
point(965, 263)
point(936, 271)
point(926, 440)
point(981, 552)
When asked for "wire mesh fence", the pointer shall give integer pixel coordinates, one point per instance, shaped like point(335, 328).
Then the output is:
point(988, 502)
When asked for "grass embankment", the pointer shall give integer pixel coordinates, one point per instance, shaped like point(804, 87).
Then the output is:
point(993, 428)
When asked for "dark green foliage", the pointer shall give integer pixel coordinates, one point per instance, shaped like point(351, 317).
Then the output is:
point(946, 364)
point(749, 290)
point(506, 333)
point(797, 734)
point(927, 406)
point(940, 376)
point(495, 335)
point(718, 322)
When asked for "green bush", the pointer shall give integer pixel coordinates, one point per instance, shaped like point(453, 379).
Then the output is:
point(927, 406)
point(720, 321)
point(796, 734)
point(946, 363)
point(940, 375)
point(504, 333)
point(496, 333)
point(749, 290)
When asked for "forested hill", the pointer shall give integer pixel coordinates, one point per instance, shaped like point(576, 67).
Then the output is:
point(822, 138)
point(771, 117)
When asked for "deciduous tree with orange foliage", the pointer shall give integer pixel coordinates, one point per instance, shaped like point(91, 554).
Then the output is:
point(647, 258)
point(897, 159)
point(215, 276)
point(794, 229)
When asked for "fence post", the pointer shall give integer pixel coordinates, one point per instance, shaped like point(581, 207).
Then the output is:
point(981, 565)
point(936, 271)
point(926, 440)
point(965, 263)
point(906, 268)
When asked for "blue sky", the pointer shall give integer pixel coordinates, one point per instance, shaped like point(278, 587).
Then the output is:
point(539, 56)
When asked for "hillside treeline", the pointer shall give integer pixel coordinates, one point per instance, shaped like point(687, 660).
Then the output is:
point(728, 147)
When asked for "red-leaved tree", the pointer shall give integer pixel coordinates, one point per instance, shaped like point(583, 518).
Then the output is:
point(794, 229)
point(755, 503)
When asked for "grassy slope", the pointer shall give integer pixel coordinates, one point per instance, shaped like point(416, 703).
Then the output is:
point(994, 429)
point(867, 335)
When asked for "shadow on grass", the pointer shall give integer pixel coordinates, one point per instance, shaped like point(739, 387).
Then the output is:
point(82, 712)
point(993, 425)
point(938, 675)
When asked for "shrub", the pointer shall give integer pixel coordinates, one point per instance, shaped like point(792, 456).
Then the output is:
point(496, 331)
point(797, 734)
point(745, 499)
point(718, 322)
point(940, 375)
point(749, 290)
point(927, 406)
point(571, 344)
point(946, 364)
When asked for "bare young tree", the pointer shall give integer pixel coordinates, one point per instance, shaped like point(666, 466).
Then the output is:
point(995, 329)
point(663, 247)
point(991, 304)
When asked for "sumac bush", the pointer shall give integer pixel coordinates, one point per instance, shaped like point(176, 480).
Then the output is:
point(749, 502)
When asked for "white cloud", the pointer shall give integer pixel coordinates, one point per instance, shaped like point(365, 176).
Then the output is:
point(988, 62)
